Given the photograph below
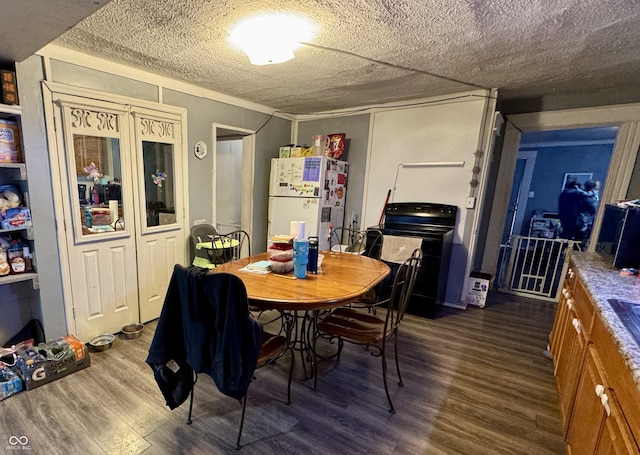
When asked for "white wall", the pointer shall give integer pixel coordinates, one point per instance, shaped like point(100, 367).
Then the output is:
point(445, 131)
point(228, 182)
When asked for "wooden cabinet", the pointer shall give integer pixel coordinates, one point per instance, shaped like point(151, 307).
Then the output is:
point(591, 398)
point(569, 344)
point(599, 400)
point(616, 437)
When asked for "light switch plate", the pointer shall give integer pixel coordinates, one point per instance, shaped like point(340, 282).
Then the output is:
point(470, 202)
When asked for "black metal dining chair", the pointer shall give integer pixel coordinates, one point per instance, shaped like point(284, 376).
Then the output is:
point(373, 332)
point(206, 327)
point(366, 242)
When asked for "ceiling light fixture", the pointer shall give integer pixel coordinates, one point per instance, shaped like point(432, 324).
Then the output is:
point(270, 38)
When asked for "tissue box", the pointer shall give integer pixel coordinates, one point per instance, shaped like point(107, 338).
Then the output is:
point(15, 218)
point(477, 289)
point(64, 356)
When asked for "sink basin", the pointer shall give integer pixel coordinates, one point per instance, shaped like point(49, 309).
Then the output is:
point(629, 314)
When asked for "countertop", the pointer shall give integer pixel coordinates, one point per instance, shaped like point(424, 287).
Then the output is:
point(602, 282)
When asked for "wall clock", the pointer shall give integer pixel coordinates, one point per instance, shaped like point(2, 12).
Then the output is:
point(200, 150)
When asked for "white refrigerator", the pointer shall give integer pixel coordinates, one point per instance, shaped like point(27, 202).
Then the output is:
point(312, 189)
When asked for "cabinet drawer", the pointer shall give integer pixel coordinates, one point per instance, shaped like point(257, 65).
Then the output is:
point(618, 376)
point(583, 307)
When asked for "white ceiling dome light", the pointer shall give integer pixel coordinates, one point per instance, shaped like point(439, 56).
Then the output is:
point(271, 37)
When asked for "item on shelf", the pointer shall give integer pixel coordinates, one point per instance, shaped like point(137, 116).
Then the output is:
point(285, 152)
point(320, 144)
point(28, 259)
point(15, 255)
point(9, 197)
point(15, 218)
point(88, 220)
point(9, 141)
point(336, 145)
point(9, 87)
point(5, 268)
point(100, 216)
point(47, 362)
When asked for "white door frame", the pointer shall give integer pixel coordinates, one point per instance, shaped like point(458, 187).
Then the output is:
point(625, 116)
point(50, 88)
point(248, 165)
point(530, 162)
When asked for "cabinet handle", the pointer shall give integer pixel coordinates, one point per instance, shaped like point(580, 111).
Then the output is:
point(569, 303)
point(576, 324)
point(604, 398)
point(571, 273)
point(565, 293)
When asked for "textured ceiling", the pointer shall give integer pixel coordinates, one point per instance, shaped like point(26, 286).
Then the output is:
point(525, 48)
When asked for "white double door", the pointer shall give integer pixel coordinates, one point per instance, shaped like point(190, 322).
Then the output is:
point(121, 197)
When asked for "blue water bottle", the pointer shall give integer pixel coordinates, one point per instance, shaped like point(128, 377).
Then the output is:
point(300, 257)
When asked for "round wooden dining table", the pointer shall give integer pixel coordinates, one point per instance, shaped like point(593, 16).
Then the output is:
point(341, 279)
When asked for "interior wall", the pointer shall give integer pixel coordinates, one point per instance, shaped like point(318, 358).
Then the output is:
point(634, 186)
point(47, 303)
point(573, 100)
point(442, 132)
point(551, 165)
point(356, 128)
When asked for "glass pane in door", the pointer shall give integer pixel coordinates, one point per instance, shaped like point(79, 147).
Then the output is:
point(159, 190)
point(99, 175)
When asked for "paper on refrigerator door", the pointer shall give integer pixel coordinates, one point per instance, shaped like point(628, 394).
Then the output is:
point(296, 177)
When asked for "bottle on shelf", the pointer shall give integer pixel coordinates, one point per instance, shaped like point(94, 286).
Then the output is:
point(28, 260)
point(88, 218)
point(95, 196)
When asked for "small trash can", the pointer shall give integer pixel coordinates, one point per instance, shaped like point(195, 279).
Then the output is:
point(477, 289)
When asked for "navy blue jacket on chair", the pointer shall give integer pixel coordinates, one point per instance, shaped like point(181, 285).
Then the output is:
point(204, 326)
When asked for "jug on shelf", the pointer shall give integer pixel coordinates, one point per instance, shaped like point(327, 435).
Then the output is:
point(320, 144)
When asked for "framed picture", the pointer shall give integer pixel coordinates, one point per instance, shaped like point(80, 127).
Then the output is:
point(578, 177)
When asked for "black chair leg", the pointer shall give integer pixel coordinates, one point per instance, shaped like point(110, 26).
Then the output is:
point(193, 386)
point(293, 356)
point(395, 345)
point(244, 408)
point(384, 378)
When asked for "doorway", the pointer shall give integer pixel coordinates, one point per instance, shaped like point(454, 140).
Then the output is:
point(120, 203)
point(233, 163)
point(532, 250)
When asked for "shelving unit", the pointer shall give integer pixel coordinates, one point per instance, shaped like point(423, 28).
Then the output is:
point(10, 173)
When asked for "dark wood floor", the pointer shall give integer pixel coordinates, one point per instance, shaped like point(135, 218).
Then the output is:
point(475, 383)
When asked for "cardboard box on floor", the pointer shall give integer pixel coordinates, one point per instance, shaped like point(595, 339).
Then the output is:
point(477, 289)
point(64, 356)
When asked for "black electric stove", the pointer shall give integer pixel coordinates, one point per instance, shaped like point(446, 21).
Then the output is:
point(434, 224)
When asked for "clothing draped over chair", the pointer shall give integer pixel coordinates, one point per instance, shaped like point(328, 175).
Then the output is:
point(199, 330)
